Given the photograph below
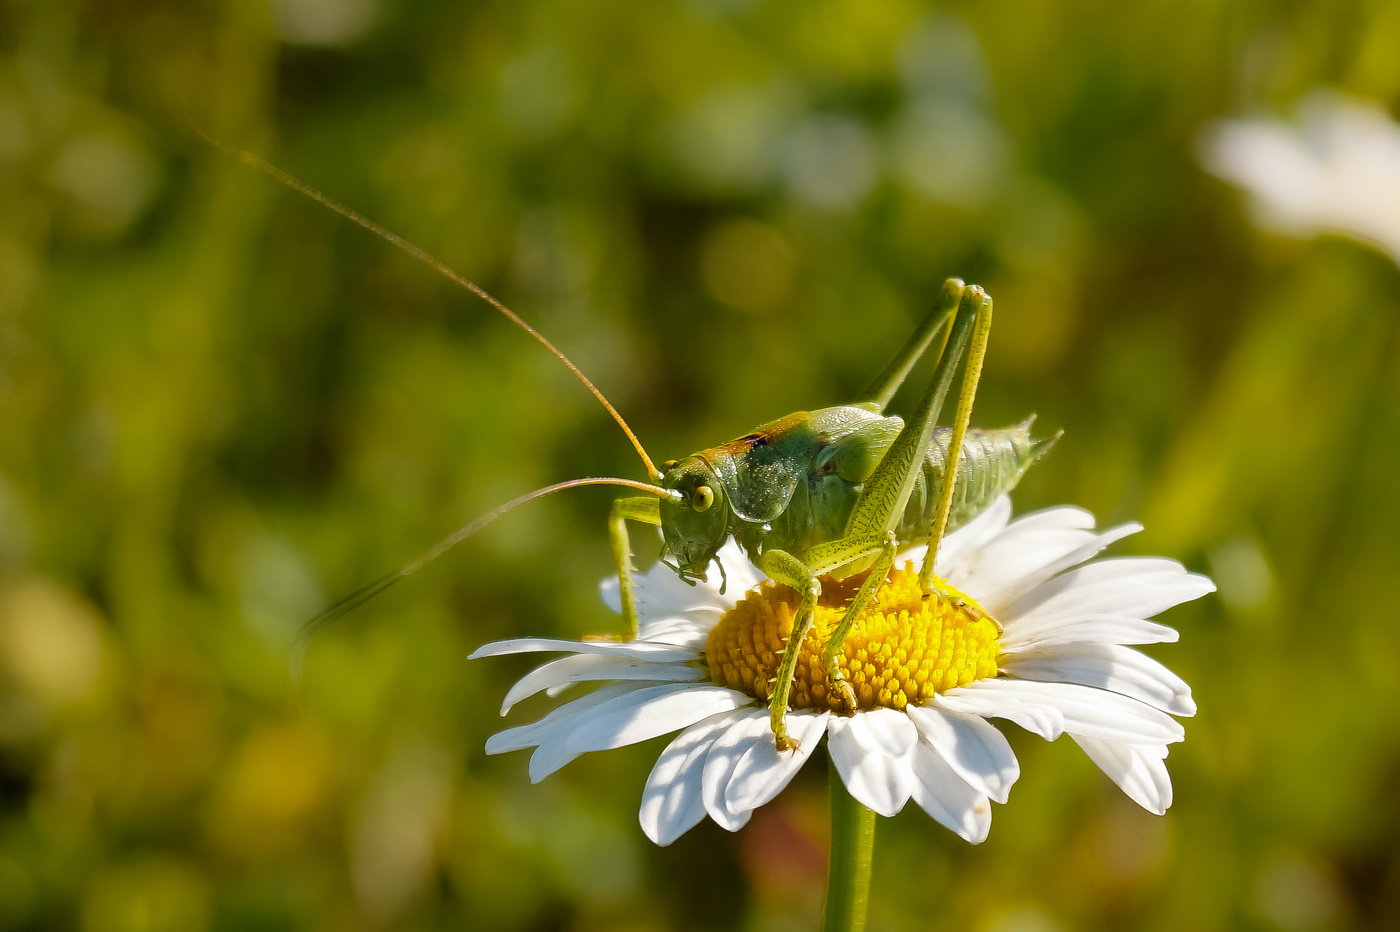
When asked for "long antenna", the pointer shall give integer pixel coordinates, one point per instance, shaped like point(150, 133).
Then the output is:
point(277, 174)
point(356, 599)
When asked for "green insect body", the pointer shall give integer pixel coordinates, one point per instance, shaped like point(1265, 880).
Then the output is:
point(793, 483)
point(837, 491)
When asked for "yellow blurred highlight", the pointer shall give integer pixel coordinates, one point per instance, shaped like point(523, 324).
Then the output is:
point(152, 895)
point(1024, 919)
point(271, 791)
point(748, 265)
point(50, 642)
point(1040, 320)
point(17, 892)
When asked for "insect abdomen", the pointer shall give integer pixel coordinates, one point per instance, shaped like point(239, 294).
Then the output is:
point(991, 464)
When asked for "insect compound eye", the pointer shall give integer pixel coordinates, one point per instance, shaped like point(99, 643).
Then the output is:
point(669, 465)
point(702, 498)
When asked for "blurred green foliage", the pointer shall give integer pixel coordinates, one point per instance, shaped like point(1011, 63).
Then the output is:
point(222, 406)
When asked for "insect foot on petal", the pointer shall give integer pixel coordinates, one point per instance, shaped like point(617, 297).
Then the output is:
point(960, 601)
point(846, 695)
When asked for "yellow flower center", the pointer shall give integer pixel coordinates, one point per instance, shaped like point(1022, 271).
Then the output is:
point(904, 648)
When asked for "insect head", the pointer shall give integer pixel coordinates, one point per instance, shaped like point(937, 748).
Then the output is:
point(695, 526)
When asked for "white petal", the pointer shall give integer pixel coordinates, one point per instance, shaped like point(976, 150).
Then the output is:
point(1035, 717)
point(650, 711)
point(639, 650)
point(1008, 576)
point(942, 793)
point(1120, 669)
point(861, 747)
point(965, 540)
point(660, 593)
point(671, 800)
point(557, 722)
point(640, 713)
point(1057, 518)
point(550, 756)
point(972, 746)
point(888, 731)
point(724, 755)
point(1140, 771)
point(742, 575)
point(1097, 713)
point(1025, 545)
point(763, 771)
point(611, 593)
point(680, 632)
point(1139, 587)
point(580, 668)
point(1037, 634)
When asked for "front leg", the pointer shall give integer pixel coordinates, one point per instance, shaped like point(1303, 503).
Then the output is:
point(783, 567)
point(648, 511)
point(878, 571)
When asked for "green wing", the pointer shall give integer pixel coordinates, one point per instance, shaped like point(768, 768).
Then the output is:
point(858, 449)
point(761, 470)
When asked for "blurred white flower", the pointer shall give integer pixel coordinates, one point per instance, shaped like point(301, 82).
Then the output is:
point(831, 162)
point(1336, 171)
point(323, 22)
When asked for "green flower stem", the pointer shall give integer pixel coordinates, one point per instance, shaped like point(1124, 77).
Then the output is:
point(848, 869)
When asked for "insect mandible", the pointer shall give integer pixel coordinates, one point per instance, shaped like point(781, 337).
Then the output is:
point(832, 492)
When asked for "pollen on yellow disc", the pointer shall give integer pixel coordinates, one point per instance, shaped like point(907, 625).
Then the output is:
point(904, 648)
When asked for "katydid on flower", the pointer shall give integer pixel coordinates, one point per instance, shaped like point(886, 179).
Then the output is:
point(830, 493)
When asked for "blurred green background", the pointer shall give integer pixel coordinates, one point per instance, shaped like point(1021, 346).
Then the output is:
point(221, 407)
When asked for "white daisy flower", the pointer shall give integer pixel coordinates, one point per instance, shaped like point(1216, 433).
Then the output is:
point(928, 675)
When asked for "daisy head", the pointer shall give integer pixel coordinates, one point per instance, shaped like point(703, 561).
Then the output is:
point(1026, 627)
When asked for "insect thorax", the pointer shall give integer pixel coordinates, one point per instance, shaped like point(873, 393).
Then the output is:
point(850, 442)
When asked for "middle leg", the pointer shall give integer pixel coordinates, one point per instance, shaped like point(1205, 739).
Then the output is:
point(783, 567)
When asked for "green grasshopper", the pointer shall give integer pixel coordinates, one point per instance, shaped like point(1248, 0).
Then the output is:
point(827, 493)
point(836, 491)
